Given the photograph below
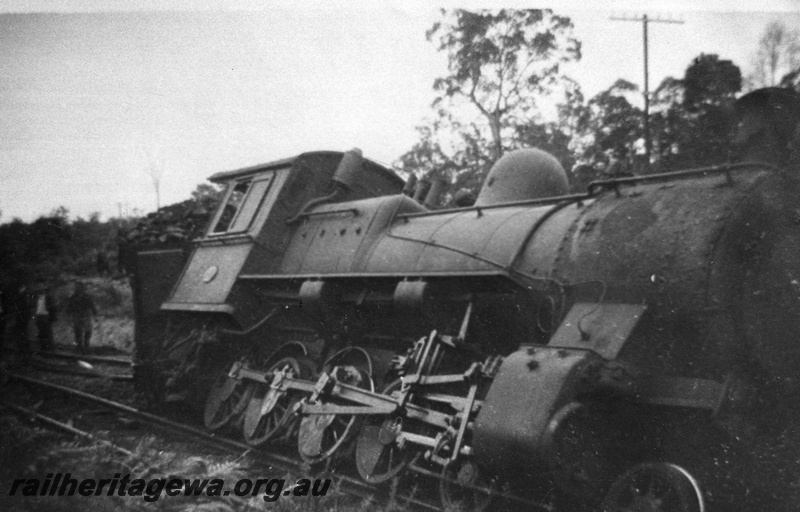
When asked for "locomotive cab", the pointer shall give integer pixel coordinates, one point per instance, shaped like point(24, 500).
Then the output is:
point(252, 226)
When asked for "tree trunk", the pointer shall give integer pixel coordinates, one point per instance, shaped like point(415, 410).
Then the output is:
point(494, 124)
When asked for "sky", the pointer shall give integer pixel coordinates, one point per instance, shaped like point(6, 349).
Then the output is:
point(97, 105)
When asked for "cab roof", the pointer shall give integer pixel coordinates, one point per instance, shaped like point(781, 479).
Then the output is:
point(224, 176)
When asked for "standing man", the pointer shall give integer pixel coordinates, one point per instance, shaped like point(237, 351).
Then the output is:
point(22, 313)
point(82, 310)
point(45, 311)
point(102, 262)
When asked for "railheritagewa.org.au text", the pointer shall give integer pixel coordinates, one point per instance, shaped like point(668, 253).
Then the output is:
point(64, 484)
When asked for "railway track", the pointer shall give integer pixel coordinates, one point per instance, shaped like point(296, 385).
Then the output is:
point(350, 485)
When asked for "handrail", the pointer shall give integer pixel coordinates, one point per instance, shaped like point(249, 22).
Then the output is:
point(478, 209)
point(726, 168)
point(353, 211)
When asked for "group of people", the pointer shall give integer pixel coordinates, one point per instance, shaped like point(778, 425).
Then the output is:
point(36, 304)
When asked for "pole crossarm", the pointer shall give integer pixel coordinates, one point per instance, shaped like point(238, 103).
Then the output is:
point(649, 19)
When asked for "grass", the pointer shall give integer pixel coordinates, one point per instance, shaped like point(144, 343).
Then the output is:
point(45, 453)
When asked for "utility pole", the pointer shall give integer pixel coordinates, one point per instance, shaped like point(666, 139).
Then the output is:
point(645, 20)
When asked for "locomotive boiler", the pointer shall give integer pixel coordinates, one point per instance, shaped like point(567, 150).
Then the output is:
point(633, 347)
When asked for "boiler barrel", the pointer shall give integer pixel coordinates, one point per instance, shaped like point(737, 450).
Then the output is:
point(716, 259)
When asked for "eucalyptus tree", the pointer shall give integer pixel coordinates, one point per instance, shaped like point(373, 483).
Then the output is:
point(501, 65)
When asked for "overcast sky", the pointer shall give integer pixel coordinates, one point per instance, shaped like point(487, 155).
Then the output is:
point(94, 103)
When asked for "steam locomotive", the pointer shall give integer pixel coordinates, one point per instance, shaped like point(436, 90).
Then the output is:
point(633, 347)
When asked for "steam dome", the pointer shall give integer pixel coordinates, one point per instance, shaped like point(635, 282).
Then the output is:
point(521, 175)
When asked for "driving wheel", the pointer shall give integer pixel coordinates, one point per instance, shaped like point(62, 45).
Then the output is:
point(269, 412)
point(322, 435)
point(654, 487)
point(378, 455)
point(227, 398)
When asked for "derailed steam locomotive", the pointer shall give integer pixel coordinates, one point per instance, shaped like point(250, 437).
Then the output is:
point(619, 349)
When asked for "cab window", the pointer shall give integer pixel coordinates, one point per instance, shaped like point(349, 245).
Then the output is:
point(231, 207)
point(241, 205)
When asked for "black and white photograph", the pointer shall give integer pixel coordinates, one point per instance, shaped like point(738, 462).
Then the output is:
point(399, 256)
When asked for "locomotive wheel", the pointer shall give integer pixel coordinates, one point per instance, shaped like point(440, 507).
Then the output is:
point(579, 439)
point(378, 457)
point(269, 411)
point(321, 435)
point(656, 487)
point(462, 487)
point(227, 398)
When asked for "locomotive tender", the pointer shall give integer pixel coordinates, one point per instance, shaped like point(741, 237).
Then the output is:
point(622, 347)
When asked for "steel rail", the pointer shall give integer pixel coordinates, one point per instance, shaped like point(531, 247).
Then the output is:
point(57, 425)
point(119, 361)
point(80, 372)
